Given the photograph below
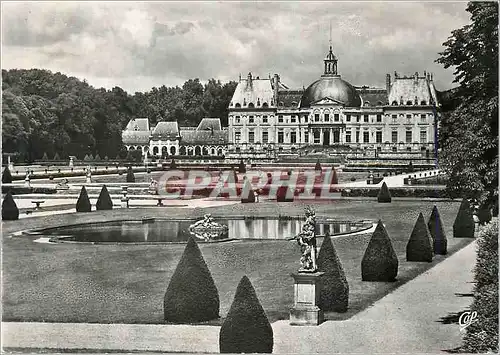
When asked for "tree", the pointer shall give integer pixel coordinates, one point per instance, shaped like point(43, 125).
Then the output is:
point(380, 262)
point(83, 203)
point(384, 195)
point(246, 328)
point(191, 295)
point(104, 201)
point(464, 226)
point(420, 245)
point(10, 212)
point(469, 128)
point(438, 235)
point(335, 289)
point(6, 176)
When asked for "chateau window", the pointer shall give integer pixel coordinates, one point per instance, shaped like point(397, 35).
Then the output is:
point(408, 118)
point(293, 120)
point(251, 137)
point(423, 102)
point(379, 118)
point(237, 105)
point(237, 119)
point(316, 117)
point(394, 149)
point(394, 136)
point(423, 118)
point(357, 137)
point(293, 137)
point(327, 117)
point(408, 149)
point(316, 136)
point(423, 136)
point(348, 137)
point(394, 118)
point(378, 136)
point(251, 105)
point(394, 103)
point(280, 119)
point(264, 119)
point(281, 137)
point(366, 137)
point(366, 117)
point(336, 117)
point(237, 136)
point(306, 137)
point(265, 137)
point(250, 119)
point(409, 135)
point(348, 118)
point(409, 102)
point(357, 118)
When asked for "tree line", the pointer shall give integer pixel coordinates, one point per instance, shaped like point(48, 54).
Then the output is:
point(45, 113)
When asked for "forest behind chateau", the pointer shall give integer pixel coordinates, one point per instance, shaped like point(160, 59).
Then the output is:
point(49, 113)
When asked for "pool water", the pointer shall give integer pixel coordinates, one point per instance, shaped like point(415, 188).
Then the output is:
point(171, 231)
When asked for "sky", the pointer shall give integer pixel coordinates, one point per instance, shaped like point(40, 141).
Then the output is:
point(139, 45)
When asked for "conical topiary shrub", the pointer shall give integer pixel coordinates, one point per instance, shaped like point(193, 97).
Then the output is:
point(384, 196)
point(246, 328)
point(10, 212)
point(335, 289)
point(104, 201)
point(241, 167)
point(45, 157)
point(334, 179)
point(83, 203)
point(232, 177)
point(420, 246)
point(130, 175)
point(318, 165)
point(191, 294)
point(438, 235)
point(56, 156)
point(463, 227)
point(173, 164)
point(6, 176)
point(247, 193)
point(380, 262)
point(97, 157)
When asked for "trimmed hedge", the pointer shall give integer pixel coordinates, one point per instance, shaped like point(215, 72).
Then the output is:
point(83, 203)
point(494, 211)
point(10, 212)
point(334, 178)
point(463, 227)
point(246, 328)
point(6, 176)
point(335, 289)
point(384, 196)
point(130, 175)
point(191, 295)
point(484, 215)
point(318, 165)
point(380, 262)
point(420, 245)
point(173, 164)
point(424, 192)
point(482, 335)
point(104, 201)
point(438, 235)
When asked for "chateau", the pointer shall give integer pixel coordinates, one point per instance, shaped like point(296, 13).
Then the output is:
point(266, 119)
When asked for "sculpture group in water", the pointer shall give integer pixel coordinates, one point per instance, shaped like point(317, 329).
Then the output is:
point(207, 229)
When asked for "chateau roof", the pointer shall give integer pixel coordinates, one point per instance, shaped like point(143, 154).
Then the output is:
point(204, 137)
point(373, 96)
point(166, 130)
point(135, 137)
point(331, 87)
point(252, 91)
point(413, 90)
point(209, 124)
point(289, 98)
point(138, 124)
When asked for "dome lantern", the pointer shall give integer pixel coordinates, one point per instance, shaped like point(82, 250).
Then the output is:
point(330, 64)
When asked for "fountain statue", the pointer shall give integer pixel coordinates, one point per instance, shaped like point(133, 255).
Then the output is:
point(307, 241)
point(208, 229)
point(153, 187)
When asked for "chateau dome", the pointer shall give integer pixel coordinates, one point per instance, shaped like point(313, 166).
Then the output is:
point(331, 87)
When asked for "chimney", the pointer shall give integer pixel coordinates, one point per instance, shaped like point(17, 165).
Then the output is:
point(276, 81)
point(388, 83)
point(249, 80)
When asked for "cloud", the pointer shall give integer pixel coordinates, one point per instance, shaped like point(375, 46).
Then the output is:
point(140, 45)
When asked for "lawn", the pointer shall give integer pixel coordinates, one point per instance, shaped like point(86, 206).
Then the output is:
point(126, 283)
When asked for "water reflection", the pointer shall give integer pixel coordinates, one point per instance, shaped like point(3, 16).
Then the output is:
point(178, 231)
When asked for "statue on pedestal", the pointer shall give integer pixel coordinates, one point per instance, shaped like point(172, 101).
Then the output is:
point(307, 241)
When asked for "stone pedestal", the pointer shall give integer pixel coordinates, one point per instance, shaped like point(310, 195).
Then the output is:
point(124, 198)
point(27, 181)
point(307, 289)
point(71, 162)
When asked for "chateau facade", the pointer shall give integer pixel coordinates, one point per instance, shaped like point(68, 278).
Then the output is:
point(266, 117)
